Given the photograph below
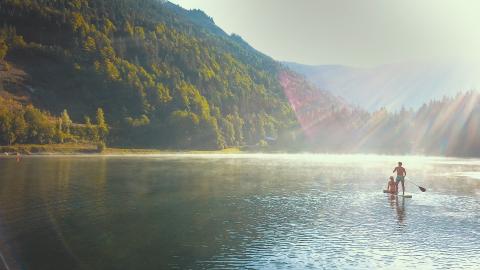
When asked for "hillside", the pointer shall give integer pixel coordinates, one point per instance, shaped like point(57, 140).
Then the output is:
point(154, 75)
point(443, 127)
point(393, 86)
point(165, 76)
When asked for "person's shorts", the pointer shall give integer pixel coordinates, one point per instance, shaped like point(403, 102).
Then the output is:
point(400, 178)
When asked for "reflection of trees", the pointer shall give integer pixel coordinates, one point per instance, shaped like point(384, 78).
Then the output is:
point(90, 217)
point(12, 191)
point(99, 184)
point(12, 202)
point(44, 203)
point(61, 181)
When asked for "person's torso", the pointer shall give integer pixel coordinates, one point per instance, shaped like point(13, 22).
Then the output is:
point(391, 185)
point(400, 171)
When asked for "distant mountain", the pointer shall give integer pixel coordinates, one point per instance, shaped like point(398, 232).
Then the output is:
point(393, 86)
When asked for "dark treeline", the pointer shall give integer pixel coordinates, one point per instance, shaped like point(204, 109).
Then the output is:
point(165, 76)
point(450, 126)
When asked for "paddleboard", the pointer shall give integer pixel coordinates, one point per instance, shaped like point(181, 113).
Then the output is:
point(404, 196)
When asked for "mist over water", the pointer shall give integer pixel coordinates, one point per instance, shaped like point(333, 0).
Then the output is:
point(237, 211)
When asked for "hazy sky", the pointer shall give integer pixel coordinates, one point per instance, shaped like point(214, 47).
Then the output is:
point(352, 32)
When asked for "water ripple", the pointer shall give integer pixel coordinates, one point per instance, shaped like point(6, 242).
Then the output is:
point(244, 212)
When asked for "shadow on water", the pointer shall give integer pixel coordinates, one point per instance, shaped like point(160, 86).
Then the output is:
point(398, 204)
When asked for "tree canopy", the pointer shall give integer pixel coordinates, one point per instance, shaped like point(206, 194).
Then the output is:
point(146, 59)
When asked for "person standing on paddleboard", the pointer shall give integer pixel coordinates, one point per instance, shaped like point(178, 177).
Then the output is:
point(401, 173)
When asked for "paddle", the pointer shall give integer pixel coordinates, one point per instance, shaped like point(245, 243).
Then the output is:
point(421, 188)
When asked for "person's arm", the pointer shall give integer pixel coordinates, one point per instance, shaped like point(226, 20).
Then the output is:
point(394, 169)
point(405, 171)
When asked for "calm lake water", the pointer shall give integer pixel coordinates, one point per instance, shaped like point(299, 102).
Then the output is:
point(237, 212)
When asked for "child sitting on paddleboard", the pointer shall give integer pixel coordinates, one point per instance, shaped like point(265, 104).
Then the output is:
point(392, 186)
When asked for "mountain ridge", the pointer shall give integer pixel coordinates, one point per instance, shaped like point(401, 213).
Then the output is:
point(394, 85)
point(165, 76)
point(152, 78)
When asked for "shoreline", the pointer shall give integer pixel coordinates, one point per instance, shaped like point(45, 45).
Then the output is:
point(90, 149)
point(70, 149)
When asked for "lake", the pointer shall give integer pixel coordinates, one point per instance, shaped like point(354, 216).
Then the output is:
point(245, 211)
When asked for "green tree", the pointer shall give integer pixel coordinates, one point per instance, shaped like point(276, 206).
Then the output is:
point(238, 125)
point(89, 45)
point(66, 122)
point(3, 49)
point(228, 131)
point(6, 131)
point(20, 127)
point(102, 126)
point(208, 134)
point(58, 131)
point(90, 132)
point(41, 129)
point(183, 126)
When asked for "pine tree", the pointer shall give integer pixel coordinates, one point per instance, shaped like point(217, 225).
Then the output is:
point(3, 49)
point(66, 122)
point(102, 125)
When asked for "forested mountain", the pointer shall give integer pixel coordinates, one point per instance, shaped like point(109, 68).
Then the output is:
point(152, 74)
point(165, 76)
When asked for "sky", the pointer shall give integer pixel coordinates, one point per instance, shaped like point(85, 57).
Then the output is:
point(360, 33)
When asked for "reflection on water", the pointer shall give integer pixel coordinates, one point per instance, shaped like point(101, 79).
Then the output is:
point(398, 203)
point(236, 211)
